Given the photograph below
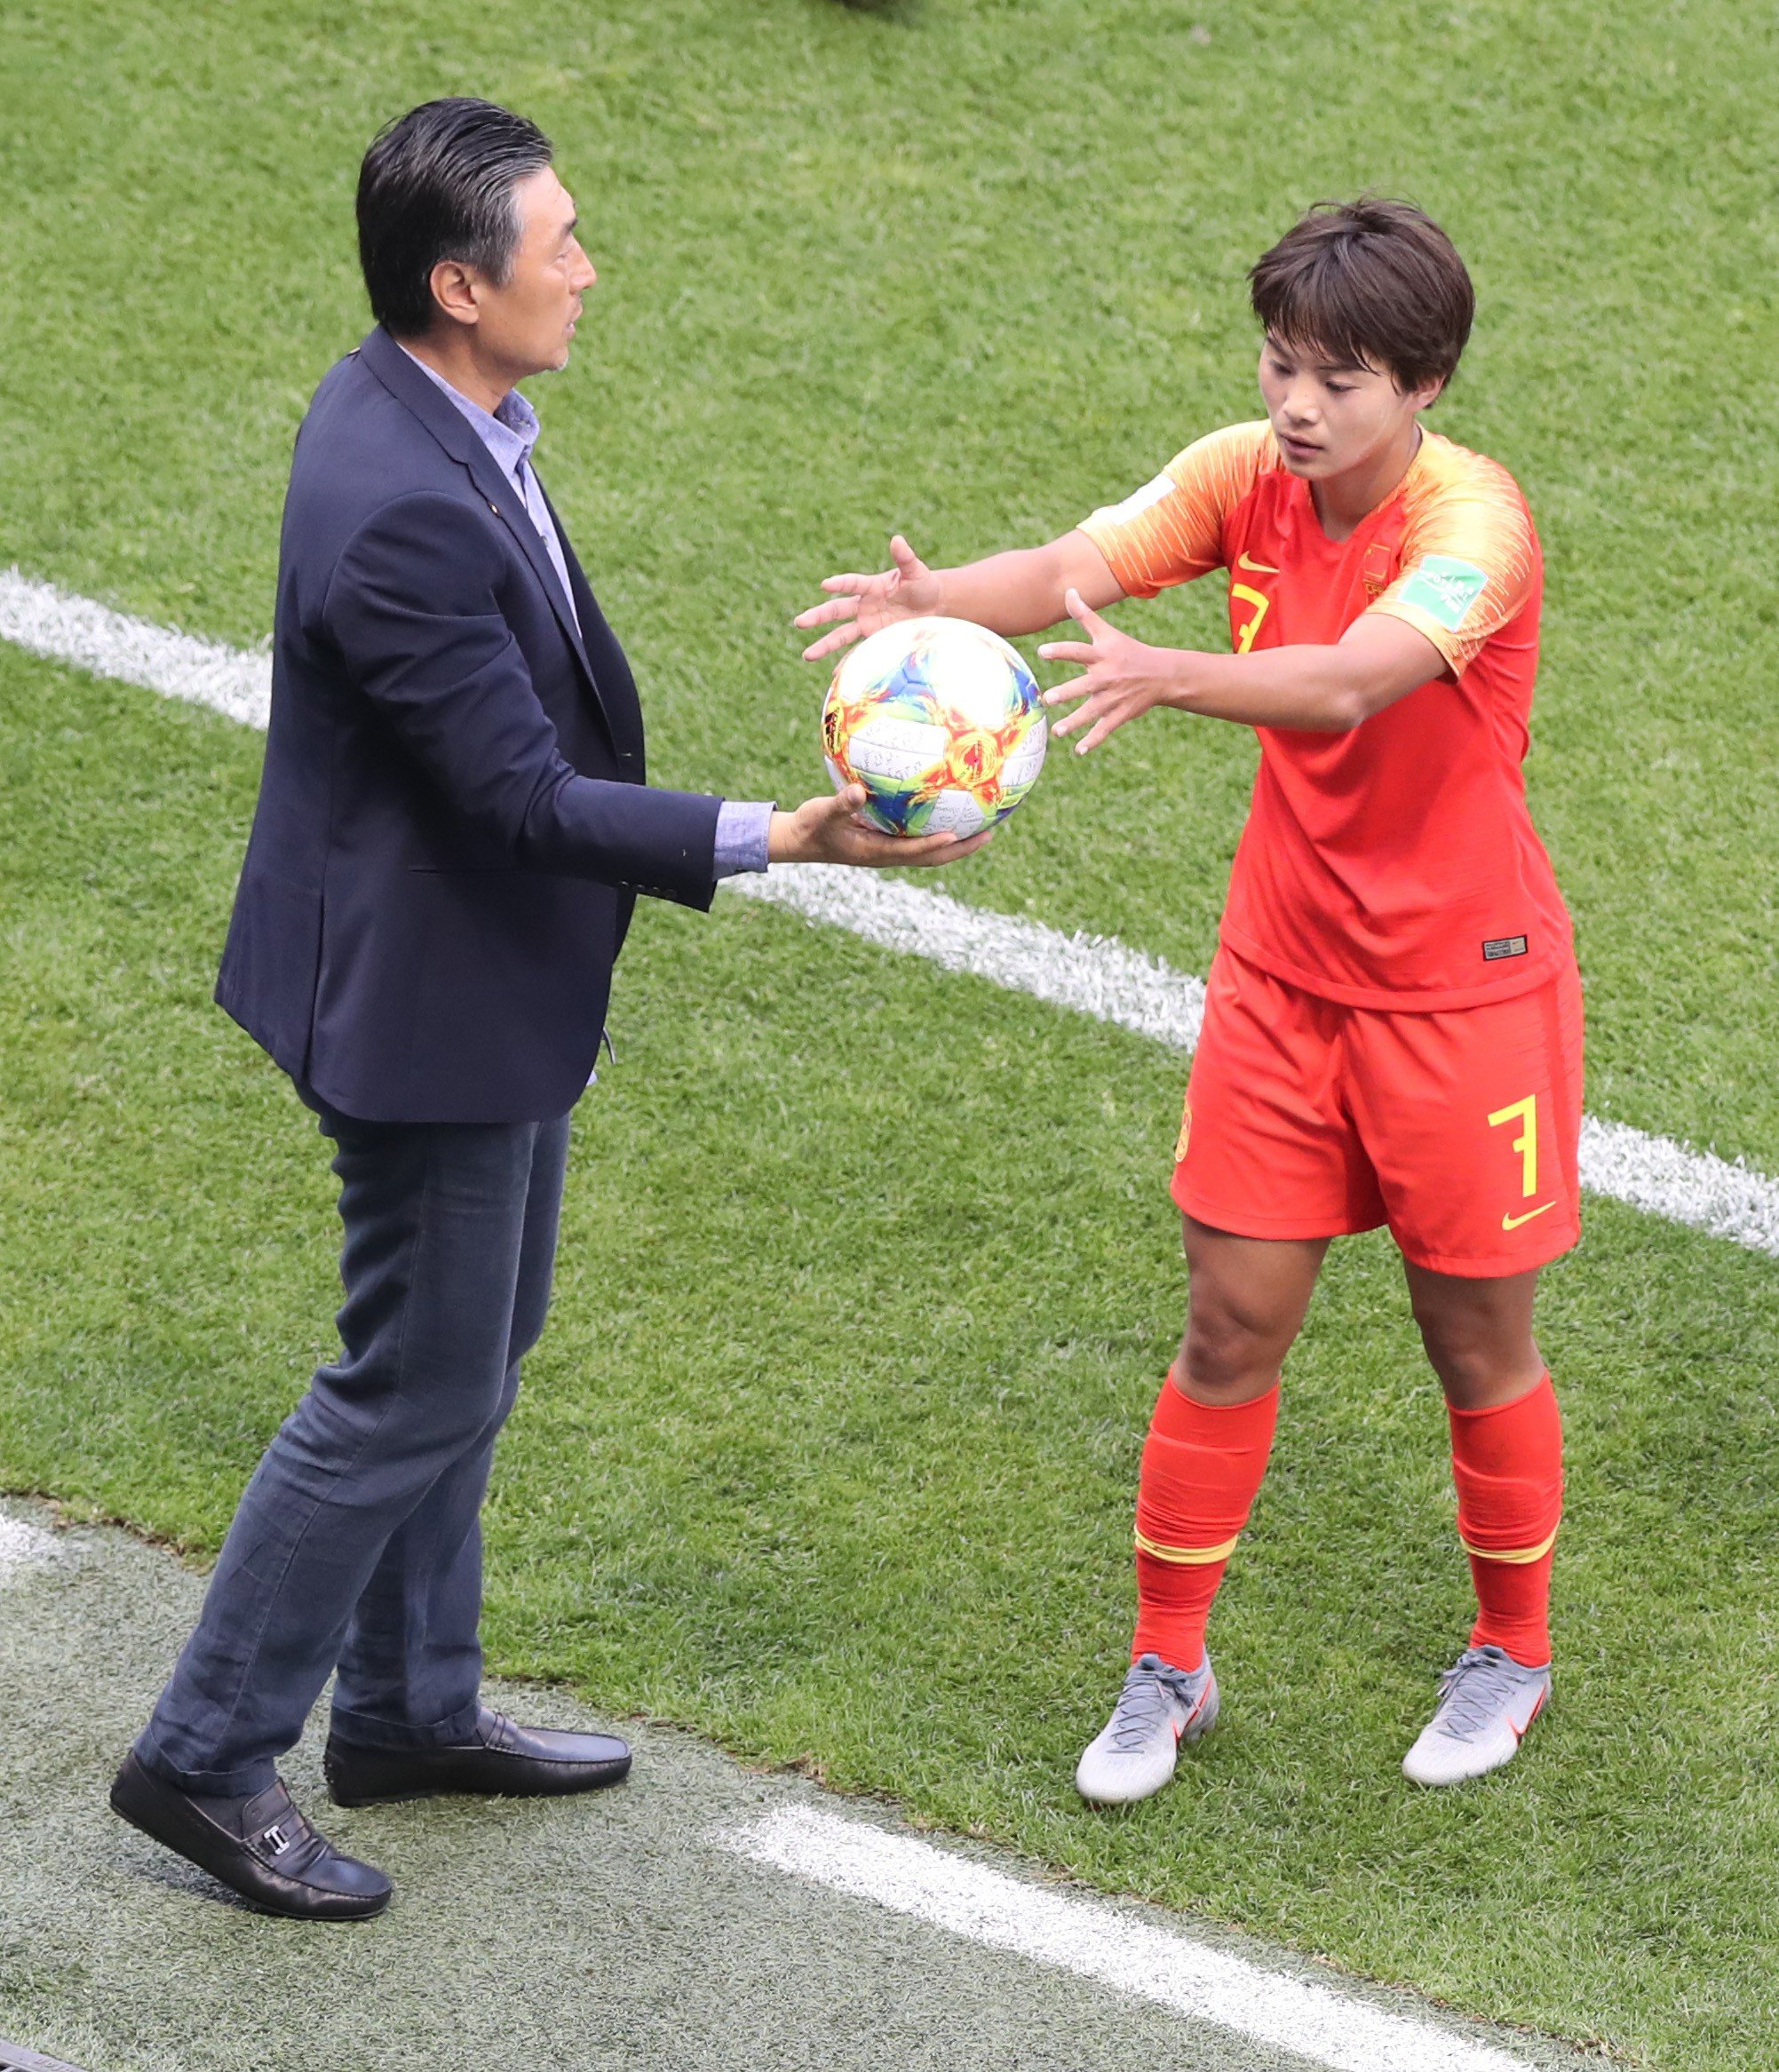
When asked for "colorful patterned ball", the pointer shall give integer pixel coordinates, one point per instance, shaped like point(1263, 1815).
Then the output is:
point(940, 720)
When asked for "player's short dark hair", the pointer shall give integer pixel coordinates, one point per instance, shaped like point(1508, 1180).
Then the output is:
point(438, 184)
point(1371, 284)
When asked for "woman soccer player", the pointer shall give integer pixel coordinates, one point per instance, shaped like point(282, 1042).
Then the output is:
point(1392, 1032)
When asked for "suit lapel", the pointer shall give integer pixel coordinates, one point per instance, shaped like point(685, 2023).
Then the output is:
point(409, 384)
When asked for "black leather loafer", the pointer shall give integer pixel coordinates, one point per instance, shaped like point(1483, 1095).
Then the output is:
point(261, 1847)
point(502, 1758)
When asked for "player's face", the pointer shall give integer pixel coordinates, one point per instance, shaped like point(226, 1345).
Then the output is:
point(1329, 417)
point(528, 320)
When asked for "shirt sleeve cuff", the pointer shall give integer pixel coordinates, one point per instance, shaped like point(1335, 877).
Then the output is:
point(1457, 654)
point(1133, 581)
point(742, 832)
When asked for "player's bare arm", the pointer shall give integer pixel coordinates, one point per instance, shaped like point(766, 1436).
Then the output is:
point(1021, 591)
point(1321, 688)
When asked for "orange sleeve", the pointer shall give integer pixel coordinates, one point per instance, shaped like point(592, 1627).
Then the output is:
point(1469, 555)
point(1171, 529)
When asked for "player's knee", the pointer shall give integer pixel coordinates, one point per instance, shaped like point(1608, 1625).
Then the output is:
point(1461, 1370)
point(1227, 1355)
point(1471, 1364)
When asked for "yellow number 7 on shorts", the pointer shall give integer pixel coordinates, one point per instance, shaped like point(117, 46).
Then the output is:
point(1526, 1143)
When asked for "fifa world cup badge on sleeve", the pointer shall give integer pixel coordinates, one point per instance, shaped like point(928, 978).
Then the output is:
point(1185, 1137)
point(1445, 588)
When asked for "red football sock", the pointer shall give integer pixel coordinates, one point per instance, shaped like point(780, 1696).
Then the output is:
point(1202, 1466)
point(1508, 1465)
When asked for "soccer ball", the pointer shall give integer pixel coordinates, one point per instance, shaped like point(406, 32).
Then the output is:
point(940, 720)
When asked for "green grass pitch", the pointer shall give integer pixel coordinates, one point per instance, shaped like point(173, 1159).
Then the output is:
point(869, 1272)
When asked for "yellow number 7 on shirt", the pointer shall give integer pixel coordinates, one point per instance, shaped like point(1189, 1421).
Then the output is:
point(1244, 637)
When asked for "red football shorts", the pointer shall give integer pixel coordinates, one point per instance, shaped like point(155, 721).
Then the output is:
point(1305, 1118)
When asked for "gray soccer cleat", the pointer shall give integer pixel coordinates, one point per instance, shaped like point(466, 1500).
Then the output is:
point(1486, 1703)
point(1134, 1754)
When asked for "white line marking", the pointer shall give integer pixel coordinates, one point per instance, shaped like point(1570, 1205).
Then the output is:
point(1698, 1188)
point(1101, 976)
point(51, 622)
point(23, 1547)
point(1113, 1947)
point(1092, 974)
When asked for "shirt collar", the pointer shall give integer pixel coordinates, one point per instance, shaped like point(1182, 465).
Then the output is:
point(509, 432)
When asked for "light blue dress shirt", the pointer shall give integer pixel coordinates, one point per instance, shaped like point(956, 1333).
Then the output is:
point(509, 433)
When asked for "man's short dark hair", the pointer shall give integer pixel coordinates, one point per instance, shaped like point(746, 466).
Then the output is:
point(1370, 284)
point(438, 184)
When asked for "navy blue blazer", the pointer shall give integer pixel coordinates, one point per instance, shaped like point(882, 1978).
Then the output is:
point(452, 824)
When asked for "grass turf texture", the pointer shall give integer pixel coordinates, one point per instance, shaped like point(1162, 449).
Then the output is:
point(831, 1448)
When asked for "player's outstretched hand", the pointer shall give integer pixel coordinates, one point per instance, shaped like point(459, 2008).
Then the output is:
point(860, 604)
point(1124, 677)
point(827, 830)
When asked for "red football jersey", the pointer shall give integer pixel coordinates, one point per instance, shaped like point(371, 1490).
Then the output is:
point(1395, 865)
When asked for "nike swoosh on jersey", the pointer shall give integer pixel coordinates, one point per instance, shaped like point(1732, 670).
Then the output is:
point(1244, 560)
point(1513, 1222)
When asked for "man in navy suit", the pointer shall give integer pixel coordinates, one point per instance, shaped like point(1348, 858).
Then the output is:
point(452, 829)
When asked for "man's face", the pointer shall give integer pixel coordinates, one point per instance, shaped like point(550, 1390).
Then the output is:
point(1327, 417)
point(527, 322)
